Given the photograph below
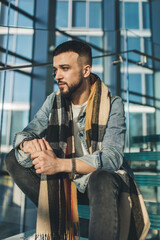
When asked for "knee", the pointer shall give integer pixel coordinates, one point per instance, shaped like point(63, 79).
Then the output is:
point(102, 180)
point(10, 161)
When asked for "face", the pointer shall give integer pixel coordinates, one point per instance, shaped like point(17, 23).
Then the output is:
point(68, 73)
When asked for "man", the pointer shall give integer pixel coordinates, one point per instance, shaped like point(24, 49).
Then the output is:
point(78, 134)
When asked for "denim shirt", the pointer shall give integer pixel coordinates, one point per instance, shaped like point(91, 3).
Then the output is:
point(109, 157)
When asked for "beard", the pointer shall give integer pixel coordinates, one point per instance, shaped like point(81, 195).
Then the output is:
point(72, 88)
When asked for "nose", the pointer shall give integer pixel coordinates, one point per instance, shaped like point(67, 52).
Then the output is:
point(58, 75)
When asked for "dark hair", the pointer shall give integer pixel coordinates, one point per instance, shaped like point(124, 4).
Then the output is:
point(83, 49)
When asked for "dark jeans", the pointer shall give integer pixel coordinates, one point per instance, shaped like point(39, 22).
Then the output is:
point(103, 190)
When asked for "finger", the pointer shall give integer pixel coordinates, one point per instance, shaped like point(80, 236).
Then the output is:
point(35, 155)
point(47, 144)
point(39, 171)
point(37, 145)
point(37, 166)
point(35, 161)
point(42, 145)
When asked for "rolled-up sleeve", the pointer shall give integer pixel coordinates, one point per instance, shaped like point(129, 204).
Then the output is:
point(111, 154)
point(35, 129)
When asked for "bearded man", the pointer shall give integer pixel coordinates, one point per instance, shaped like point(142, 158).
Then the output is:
point(75, 142)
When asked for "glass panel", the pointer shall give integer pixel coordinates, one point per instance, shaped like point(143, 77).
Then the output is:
point(146, 16)
point(135, 122)
point(149, 88)
point(61, 10)
point(21, 88)
point(3, 44)
point(133, 43)
point(19, 122)
point(150, 123)
point(131, 15)
point(148, 50)
point(135, 86)
point(82, 38)
point(97, 41)
point(4, 126)
point(3, 14)
point(95, 15)
point(27, 6)
point(24, 40)
point(60, 39)
point(79, 14)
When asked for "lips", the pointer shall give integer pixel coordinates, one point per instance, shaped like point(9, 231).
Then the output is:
point(61, 84)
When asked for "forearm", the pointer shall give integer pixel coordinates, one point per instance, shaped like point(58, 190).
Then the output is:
point(81, 167)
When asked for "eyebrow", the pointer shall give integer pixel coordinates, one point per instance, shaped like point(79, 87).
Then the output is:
point(61, 66)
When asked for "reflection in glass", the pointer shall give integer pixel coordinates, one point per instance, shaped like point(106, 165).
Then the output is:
point(79, 14)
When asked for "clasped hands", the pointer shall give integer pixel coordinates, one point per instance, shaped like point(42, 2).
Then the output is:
point(44, 159)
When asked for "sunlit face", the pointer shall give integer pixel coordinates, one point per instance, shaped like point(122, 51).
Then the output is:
point(68, 73)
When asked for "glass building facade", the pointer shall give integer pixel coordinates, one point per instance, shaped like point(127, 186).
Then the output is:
point(125, 47)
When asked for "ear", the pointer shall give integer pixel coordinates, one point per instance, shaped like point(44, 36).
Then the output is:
point(86, 71)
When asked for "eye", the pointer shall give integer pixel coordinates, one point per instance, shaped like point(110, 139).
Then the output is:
point(54, 73)
point(65, 68)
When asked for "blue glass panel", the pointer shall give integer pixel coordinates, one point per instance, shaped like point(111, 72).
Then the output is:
point(150, 123)
point(27, 6)
point(79, 14)
point(24, 47)
point(133, 44)
point(135, 125)
point(3, 18)
point(60, 39)
point(146, 16)
point(11, 17)
point(97, 41)
point(120, 15)
point(21, 88)
point(3, 44)
point(61, 14)
point(95, 14)
point(149, 88)
point(4, 126)
point(19, 121)
point(135, 86)
point(82, 38)
point(7, 91)
point(131, 15)
point(148, 50)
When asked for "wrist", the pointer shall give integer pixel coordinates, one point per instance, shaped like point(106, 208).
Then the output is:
point(65, 164)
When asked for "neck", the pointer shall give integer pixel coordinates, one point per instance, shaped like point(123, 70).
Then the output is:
point(82, 94)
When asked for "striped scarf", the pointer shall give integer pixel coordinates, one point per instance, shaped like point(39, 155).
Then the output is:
point(57, 210)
